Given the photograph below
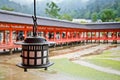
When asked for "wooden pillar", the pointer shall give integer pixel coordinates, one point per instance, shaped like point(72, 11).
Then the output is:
point(25, 34)
point(107, 36)
point(10, 37)
point(99, 36)
point(80, 36)
point(77, 36)
point(83, 37)
point(16, 35)
point(95, 36)
point(0, 38)
point(103, 37)
point(67, 37)
point(46, 35)
point(71, 34)
point(86, 37)
point(91, 37)
point(114, 37)
point(74, 36)
point(54, 36)
point(117, 36)
point(3, 37)
point(61, 36)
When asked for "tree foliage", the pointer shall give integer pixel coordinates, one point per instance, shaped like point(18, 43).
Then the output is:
point(94, 17)
point(107, 15)
point(66, 17)
point(13, 6)
point(52, 10)
point(7, 8)
point(74, 8)
point(117, 19)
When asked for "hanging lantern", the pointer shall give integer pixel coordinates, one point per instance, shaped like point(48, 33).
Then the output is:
point(35, 52)
point(35, 49)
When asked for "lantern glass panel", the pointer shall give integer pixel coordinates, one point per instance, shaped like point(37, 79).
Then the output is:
point(24, 54)
point(45, 53)
point(25, 61)
point(38, 53)
point(39, 62)
point(44, 60)
point(32, 54)
point(31, 62)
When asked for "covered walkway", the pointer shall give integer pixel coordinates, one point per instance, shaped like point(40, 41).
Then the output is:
point(16, 27)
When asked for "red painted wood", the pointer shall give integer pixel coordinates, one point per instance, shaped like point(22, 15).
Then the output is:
point(71, 34)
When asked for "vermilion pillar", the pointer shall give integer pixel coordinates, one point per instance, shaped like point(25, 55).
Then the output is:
point(77, 36)
point(83, 37)
point(10, 37)
point(67, 36)
point(4, 37)
point(95, 37)
point(54, 36)
point(103, 37)
point(99, 36)
point(91, 37)
point(114, 37)
point(61, 35)
point(71, 34)
point(80, 34)
point(107, 36)
point(46, 35)
point(86, 37)
point(25, 34)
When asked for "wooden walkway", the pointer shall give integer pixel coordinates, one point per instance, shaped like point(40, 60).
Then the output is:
point(9, 47)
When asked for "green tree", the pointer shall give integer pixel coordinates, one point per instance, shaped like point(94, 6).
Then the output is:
point(117, 19)
point(87, 15)
point(52, 10)
point(107, 15)
point(7, 8)
point(94, 17)
point(66, 17)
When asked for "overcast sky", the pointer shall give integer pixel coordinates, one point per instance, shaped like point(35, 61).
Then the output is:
point(30, 1)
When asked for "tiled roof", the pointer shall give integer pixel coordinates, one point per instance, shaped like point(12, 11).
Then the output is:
point(14, 17)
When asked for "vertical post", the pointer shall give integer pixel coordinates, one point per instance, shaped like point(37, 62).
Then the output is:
point(54, 36)
point(99, 36)
point(113, 37)
point(83, 36)
point(86, 37)
point(61, 40)
point(107, 36)
point(3, 36)
point(95, 37)
point(80, 36)
point(25, 32)
point(46, 35)
point(67, 37)
point(77, 36)
point(72, 35)
point(91, 37)
point(34, 20)
point(10, 37)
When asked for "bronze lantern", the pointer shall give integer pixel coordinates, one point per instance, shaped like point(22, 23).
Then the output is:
point(35, 52)
point(35, 49)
